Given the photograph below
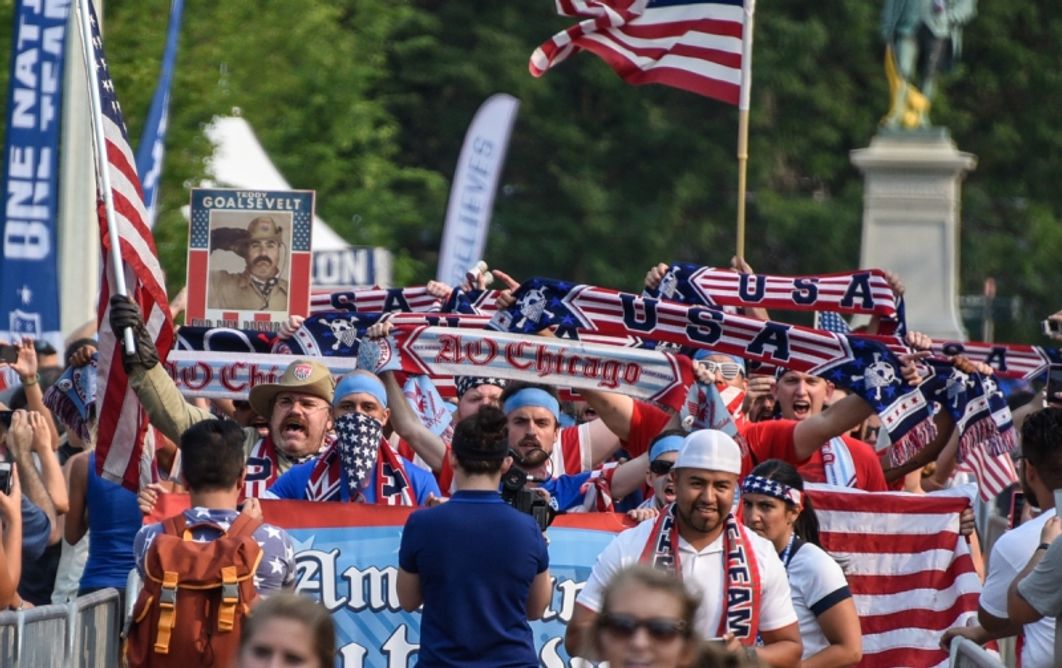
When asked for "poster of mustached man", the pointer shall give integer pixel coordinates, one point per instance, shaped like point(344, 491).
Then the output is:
point(248, 257)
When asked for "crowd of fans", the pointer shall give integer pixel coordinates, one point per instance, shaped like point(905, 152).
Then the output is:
point(67, 531)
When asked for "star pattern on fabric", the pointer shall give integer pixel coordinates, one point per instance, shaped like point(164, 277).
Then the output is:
point(358, 441)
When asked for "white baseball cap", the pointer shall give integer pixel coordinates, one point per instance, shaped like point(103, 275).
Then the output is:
point(709, 449)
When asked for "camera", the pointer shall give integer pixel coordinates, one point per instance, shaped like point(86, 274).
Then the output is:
point(1051, 327)
point(514, 492)
point(5, 418)
point(8, 354)
point(5, 477)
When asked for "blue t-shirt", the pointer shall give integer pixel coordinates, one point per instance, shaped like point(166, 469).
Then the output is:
point(292, 485)
point(476, 558)
point(36, 529)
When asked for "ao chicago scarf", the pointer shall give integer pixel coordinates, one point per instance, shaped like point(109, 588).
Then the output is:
point(741, 605)
point(359, 450)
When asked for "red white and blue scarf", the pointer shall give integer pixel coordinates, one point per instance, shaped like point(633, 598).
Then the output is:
point(741, 605)
point(359, 451)
point(858, 292)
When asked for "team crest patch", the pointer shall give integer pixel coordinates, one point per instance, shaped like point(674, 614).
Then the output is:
point(302, 371)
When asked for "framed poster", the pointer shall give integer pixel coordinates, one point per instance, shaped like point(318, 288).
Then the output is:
point(249, 259)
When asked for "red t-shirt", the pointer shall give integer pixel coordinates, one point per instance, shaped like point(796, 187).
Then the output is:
point(646, 422)
point(773, 439)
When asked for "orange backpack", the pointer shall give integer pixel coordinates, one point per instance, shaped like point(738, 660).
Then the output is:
point(195, 596)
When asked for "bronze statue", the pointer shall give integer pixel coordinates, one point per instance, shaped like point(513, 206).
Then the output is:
point(922, 38)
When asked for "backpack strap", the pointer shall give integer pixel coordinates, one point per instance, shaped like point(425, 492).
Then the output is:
point(243, 525)
point(167, 612)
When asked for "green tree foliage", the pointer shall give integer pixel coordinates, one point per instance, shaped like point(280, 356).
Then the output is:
point(367, 102)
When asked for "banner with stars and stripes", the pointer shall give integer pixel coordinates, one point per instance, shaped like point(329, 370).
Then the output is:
point(249, 260)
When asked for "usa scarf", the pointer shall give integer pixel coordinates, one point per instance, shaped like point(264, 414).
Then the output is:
point(358, 451)
point(741, 605)
point(72, 398)
point(263, 467)
point(978, 407)
point(374, 300)
point(865, 367)
point(867, 291)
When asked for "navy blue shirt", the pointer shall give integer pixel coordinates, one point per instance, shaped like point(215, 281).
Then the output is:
point(36, 529)
point(476, 557)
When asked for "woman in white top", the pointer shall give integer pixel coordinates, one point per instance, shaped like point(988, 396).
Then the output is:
point(774, 506)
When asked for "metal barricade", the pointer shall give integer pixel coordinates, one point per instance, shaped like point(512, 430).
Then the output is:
point(83, 632)
point(966, 653)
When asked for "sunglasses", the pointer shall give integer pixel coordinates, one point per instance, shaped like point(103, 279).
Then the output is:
point(660, 466)
point(729, 370)
point(658, 628)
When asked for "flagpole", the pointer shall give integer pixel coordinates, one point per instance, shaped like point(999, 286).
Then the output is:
point(743, 124)
point(99, 141)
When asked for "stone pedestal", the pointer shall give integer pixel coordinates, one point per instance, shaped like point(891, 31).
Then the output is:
point(911, 197)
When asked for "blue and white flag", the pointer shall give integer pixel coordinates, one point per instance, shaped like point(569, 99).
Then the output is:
point(475, 182)
point(29, 288)
point(152, 145)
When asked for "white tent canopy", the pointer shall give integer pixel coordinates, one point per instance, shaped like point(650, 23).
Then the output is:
point(239, 161)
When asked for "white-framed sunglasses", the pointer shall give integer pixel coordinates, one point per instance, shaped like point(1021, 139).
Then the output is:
point(729, 370)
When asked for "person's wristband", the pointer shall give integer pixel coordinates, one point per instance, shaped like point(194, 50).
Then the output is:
point(26, 382)
point(1043, 546)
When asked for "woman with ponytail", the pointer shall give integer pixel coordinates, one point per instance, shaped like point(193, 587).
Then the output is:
point(775, 506)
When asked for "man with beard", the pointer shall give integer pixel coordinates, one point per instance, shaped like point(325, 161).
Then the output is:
point(298, 407)
point(359, 465)
point(260, 287)
point(1041, 474)
point(743, 584)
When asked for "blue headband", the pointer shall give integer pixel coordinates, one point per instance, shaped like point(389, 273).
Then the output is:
point(532, 396)
point(360, 382)
point(665, 445)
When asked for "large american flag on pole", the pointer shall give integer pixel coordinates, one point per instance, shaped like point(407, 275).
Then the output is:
point(122, 422)
point(909, 570)
point(703, 46)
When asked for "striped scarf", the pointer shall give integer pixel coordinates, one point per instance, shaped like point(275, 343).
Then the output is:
point(741, 605)
point(859, 292)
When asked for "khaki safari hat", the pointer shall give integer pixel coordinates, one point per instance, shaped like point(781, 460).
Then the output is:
point(301, 376)
point(264, 227)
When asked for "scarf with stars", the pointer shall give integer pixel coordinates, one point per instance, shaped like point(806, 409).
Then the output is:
point(741, 607)
point(359, 451)
point(863, 366)
point(859, 292)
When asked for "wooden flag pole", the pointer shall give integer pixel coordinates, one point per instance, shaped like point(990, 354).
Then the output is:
point(743, 161)
point(743, 123)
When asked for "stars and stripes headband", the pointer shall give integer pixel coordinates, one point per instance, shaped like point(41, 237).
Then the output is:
point(466, 383)
point(755, 484)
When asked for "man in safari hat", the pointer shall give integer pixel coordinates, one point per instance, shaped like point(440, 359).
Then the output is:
point(260, 287)
point(298, 407)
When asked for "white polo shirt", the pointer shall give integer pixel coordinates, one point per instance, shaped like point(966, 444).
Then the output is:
point(817, 583)
point(703, 572)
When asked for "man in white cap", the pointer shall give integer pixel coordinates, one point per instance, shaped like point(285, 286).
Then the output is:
point(743, 583)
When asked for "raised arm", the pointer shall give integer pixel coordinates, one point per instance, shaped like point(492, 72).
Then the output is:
point(407, 425)
point(27, 369)
point(165, 406)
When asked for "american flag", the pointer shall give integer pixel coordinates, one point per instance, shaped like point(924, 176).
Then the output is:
point(994, 473)
point(909, 570)
point(122, 421)
point(832, 322)
point(696, 45)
